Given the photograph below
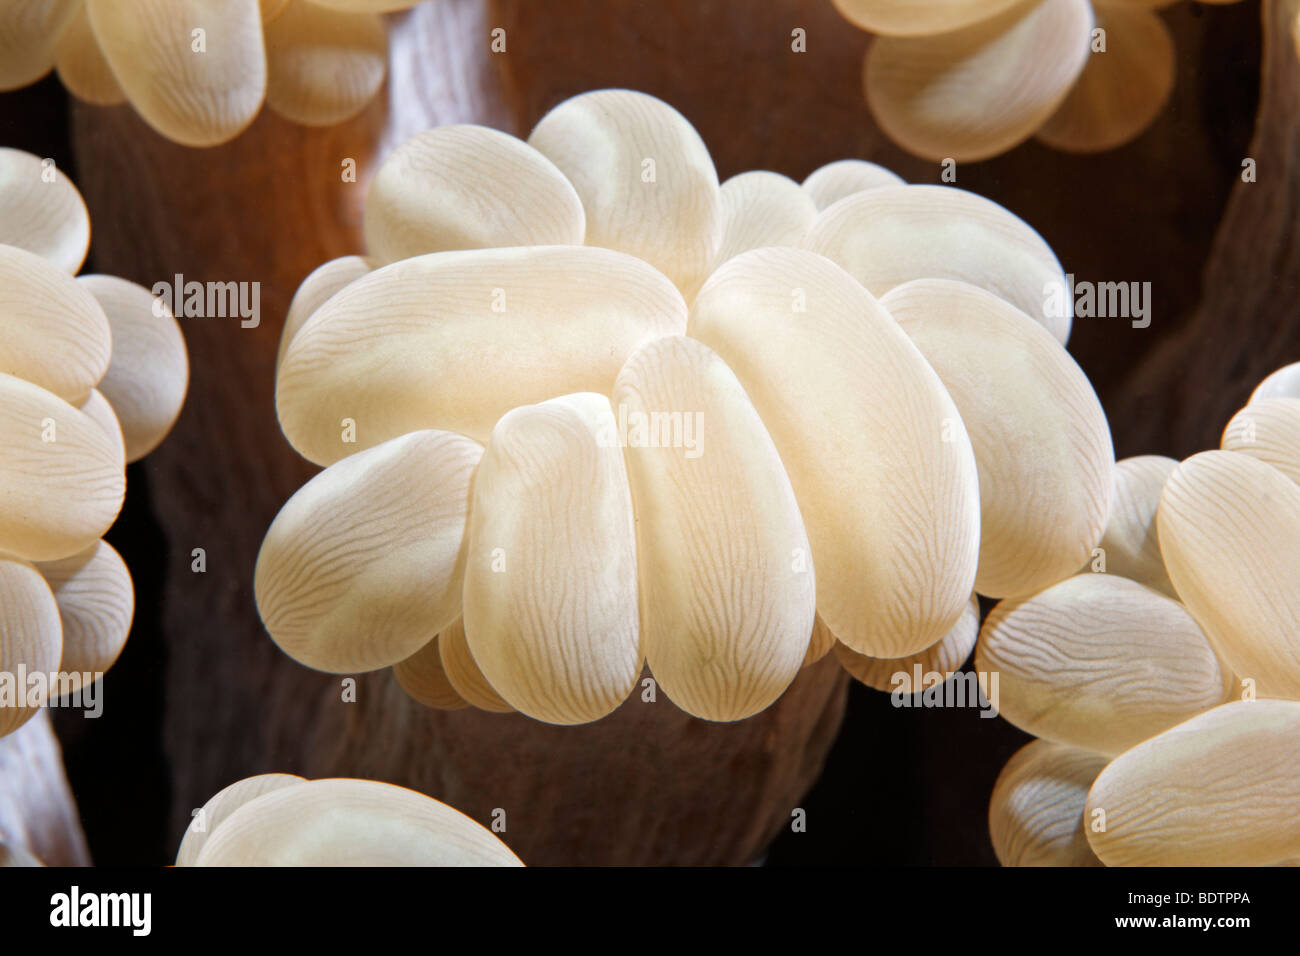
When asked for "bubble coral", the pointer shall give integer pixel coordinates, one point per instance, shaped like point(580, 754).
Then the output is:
point(970, 79)
point(582, 408)
point(198, 71)
point(93, 373)
point(278, 819)
point(1181, 657)
point(1036, 811)
point(1161, 807)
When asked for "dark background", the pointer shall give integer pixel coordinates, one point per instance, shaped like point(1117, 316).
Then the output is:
point(905, 786)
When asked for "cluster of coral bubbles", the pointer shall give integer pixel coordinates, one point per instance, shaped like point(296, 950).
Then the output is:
point(583, 411)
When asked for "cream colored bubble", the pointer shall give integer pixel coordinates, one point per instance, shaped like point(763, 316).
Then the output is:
point(96, 605)
point(29, 31)
point(727, 584)
point(62, 476)
point(976, 91)
point(425, 679)
point(30, 637)
point(81, 64)
point(551, 575)
point(149, 372)
point(1036, 813)
point(1284, 383)
point(830, 183)
point(762, 209)
point(1217, 790)
point(363, 566)
point(468, 187)
point(97, 409)
point(1099, 662)
point(42, 211)
point(463, 673)
point(1229, 530)
point(1121, 89)
point(918, 17)
point(195, 98)
point(879, 459)
point(323, 65)
point(343, 822)
point(1131, 544)
point(1041, 440)
point(944, 658)
point(1268, 429)
point(222, 804)
point(887, 236)
point(454, 340)
point(644, 176)
point(317, 289)
point(52, 331)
